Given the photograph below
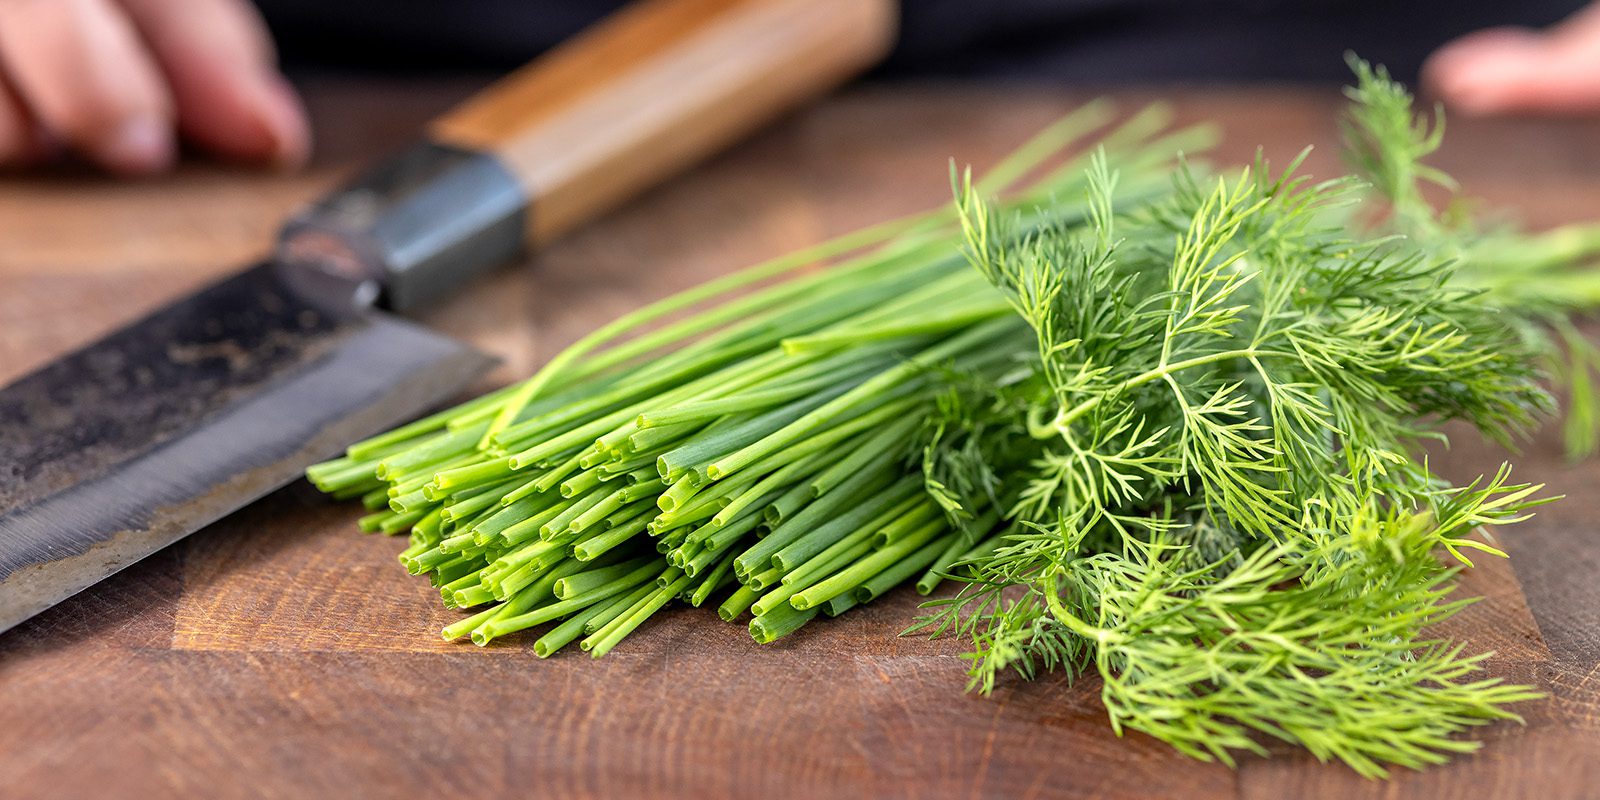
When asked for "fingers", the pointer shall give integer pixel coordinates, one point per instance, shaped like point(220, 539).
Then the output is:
point(82, 72)
point(1507, 70)
point(115, 79)
point(218, 61)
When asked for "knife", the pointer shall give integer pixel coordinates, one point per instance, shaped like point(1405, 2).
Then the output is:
point(166, 425)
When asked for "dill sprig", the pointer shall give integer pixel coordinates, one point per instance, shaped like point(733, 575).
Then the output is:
point(1224, 513)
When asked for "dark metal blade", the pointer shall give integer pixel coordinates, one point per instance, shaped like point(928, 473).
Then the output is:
point(129, 444)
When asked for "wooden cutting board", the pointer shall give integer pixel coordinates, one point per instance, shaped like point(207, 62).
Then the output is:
point(281, 654)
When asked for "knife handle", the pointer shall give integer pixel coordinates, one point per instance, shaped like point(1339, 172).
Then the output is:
point(641, 95)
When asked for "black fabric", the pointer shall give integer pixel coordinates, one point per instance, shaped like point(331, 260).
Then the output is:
point(1098, 42)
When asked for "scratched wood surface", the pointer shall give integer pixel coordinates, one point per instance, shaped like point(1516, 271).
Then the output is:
point(280, 654)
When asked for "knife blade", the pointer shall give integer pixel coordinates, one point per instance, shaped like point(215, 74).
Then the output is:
point(170, 423)
point(164, 426)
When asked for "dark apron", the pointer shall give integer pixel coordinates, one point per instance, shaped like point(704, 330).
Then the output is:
point(1093, 42)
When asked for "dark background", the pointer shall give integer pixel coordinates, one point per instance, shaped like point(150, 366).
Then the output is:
point(1089, 42)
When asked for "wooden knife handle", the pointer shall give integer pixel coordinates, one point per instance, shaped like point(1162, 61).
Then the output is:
point(643, 94)
point(656, 87)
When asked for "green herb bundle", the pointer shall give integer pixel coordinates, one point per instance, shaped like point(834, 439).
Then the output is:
point(1159, 426)
point(758, 451)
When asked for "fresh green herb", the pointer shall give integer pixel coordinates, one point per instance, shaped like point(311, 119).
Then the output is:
point(1159, 425)
point(1224, 513)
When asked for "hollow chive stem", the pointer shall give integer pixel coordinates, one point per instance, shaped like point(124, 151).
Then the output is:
point(338, 477)
point(974, 531)
point(514, 559)
point(680, 492)
point(594, 546)
point(913, 520)
point(720, 538)
point(562, 635)
point(819, 538)
point(660, 437)
point(762, 581)
point(637, 618)
point(371, 522)
point(818, 446)
point(371, 500)
point(875, 452)
point(531, 527)
point(505, 518)
point(669, 576)
point(510, 624)
point(845, 551)
point(643, 489)
point(562, 464)
point(854, 575)
point(513, 582)
point(472, 596)
point(457, 542)
point(618, 606)
point(786, 505)
point(400, 438)
point(464, 626)
point(762, 398)
point(560, 523)
point(371, 493)
point(483, 472)
point(779, 622)
point(331, 476)
point(898, 572)
point(976, 337)
point(580, 483)
point(737, 603)
point(694, 455)
point(701, 557)
point(858, 487)
point(478, 500)
point(400, 522)
point(838, 605)
point(434, 450)
point(518, 603)
point(789, 475)
point(720, 576)
point(579, 583)
point(930, 324)
point(776, 596)
point(681, 555)
point(706, 502)
point(526, 391)
point(642, 597)
point(670, 541)
point(599, 512)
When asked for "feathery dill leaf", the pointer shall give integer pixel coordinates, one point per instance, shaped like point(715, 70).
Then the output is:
point(1222, 510)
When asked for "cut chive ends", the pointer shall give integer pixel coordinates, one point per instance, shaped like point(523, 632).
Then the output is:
point(754, 455)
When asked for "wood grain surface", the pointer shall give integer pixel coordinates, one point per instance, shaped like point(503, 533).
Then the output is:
point(281, 654)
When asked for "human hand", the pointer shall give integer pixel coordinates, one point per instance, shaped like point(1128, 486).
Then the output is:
point(118, 81)
point(1504, 70)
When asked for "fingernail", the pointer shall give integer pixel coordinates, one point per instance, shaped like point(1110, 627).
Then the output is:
point(139, 146)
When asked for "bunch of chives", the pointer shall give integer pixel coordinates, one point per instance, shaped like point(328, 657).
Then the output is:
point(759, 451)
